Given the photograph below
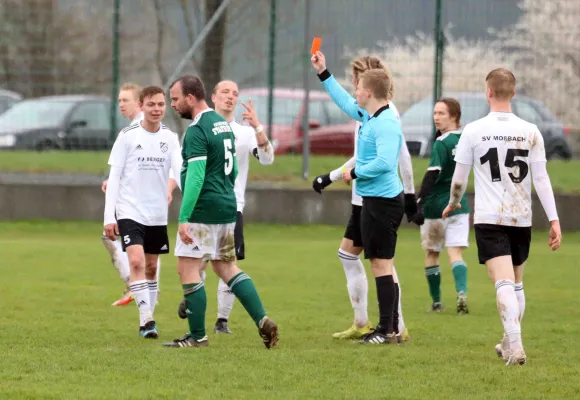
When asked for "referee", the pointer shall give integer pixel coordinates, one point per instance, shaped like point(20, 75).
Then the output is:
point(378, 146)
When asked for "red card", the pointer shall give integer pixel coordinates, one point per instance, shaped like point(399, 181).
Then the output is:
point(316, 42)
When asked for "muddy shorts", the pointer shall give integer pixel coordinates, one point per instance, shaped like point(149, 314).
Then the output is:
point(210, 242)
point(451, 232)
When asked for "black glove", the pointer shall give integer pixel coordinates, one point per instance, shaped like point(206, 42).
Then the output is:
point(320, 182)
point(418, 218)
point(410, 205)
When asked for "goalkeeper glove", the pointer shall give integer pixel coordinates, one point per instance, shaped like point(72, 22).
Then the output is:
point(410, 205)
point(320, 182)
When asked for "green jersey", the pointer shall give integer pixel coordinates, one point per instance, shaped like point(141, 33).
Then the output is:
point(442, 159)
point(210, 138)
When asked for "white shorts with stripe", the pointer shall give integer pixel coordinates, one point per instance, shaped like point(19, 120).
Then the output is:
point(210, 242)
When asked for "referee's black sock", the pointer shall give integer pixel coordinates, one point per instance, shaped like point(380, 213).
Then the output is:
point(396, 310)
point(386, 297)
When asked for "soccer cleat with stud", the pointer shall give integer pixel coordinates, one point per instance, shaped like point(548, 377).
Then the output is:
point(149, 330)
point(436, 307)
point(188, 341)
point(462, 308)
point(125, 299)
point(353, 332)
point(403, 337)
point(502, 349)
point(376, 337)
point(517, 357)
point(182, 309)
point(221, 326)
point(269, 332)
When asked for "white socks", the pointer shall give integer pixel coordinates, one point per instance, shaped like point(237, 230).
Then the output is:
point(521, 299)
point(509, 311)
point(401, 326)
point(357, 286)
point(140, 290)
point(119, 258)
point(153, 292)
point(225, 300)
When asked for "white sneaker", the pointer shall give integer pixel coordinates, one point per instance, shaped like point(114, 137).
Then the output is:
point(518, 357)
point(502, 349)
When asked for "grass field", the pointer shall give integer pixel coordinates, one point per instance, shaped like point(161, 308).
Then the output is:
point(60, 338)
point(286, 170)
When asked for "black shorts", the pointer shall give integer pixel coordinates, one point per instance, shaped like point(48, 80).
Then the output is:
point(353, 227)
point(498, 240)
point(239, 237)
point(380, 220)
point(153, 238)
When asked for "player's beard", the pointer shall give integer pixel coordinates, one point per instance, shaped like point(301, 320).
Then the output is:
point(185, 114)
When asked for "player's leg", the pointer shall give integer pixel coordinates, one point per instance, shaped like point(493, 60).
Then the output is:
point(398, 321)
point(356, 279)
point(133, 234)
point(241, 285)
point(121, 264)
point(519, 287)
point(157, 278)
point(156, 243)
point(189, 266)
point(225, 297)
point(380, 219)
point(494, 251)
point(456, 240)
point(432, 241)
point(181, 309)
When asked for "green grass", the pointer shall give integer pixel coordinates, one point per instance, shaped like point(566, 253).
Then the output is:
point(286, 170)
point(60, 338)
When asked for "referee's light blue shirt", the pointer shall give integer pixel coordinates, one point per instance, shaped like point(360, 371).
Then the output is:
point(379, 143)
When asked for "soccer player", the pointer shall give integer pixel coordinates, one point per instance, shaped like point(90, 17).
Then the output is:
point(208, 214)
point(436, 233)
point(351, 244)
point(136, 199)
point(503, 149)
point(378, 146)
point(129, 106)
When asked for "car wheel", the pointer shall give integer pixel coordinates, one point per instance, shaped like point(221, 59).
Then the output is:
point(46, 145)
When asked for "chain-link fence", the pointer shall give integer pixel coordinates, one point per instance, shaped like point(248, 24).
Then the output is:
point(65, 47)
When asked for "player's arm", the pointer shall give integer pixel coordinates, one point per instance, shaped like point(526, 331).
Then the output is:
point(463, 164)
point(406, 172)
point(117, 163)
point(544, 189)
point(260, 147)
point(387, 147)
point(322, 181)
point(176, 162)
point(436, 160)
point(196, 157)
point(340, 96)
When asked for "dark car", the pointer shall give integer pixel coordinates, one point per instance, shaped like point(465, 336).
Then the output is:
point(8, 99)
point(417, 122)
point(58, 123)
point(331, 131)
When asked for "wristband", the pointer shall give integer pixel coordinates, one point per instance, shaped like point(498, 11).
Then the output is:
point(259, 129)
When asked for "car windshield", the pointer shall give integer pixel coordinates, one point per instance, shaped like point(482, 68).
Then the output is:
point(30, 114)
point(285, 110)
point(422, 113)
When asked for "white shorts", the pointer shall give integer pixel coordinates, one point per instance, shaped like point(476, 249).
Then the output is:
point(210, 242)
point(451, 232)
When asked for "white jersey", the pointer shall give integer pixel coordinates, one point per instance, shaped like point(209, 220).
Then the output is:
point(356, 199)
point(146, 159)
point(246, 146)
point(500, 147)
point(138, 118)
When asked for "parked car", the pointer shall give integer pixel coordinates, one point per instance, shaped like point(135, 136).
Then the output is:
point(58, 123)
point(417, 122)
point(8, 99)
point(331, 131)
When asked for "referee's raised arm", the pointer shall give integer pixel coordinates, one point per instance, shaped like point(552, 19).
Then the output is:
point(338, 94)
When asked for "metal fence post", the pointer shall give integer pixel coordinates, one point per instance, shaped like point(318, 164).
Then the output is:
point(306, 86)
point(115, 71)
point(439, 49)
point(271, 66)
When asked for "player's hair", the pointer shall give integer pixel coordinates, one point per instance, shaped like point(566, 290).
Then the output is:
point(361, 64)
point(502, 83)
point(133, 87)
point(191, 85)
point(149, 91)
point(378, 81)
point(453, 108)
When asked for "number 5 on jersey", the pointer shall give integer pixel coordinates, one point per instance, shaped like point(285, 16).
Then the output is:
point(229, 162)
point(510, 162)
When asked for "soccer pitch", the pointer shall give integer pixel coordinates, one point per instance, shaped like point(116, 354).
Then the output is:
point(61, 338)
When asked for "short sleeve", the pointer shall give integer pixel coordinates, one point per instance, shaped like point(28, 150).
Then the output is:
point(464, 149)
point(119, 151)
point(195, 144)
point(438, 156)
point(537, 151)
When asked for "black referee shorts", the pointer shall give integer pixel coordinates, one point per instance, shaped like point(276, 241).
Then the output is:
point(380, 220)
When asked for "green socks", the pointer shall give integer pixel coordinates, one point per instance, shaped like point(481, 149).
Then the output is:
point(243, 287)
point(460, 275)
point(196, 301)
point(433, 275)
